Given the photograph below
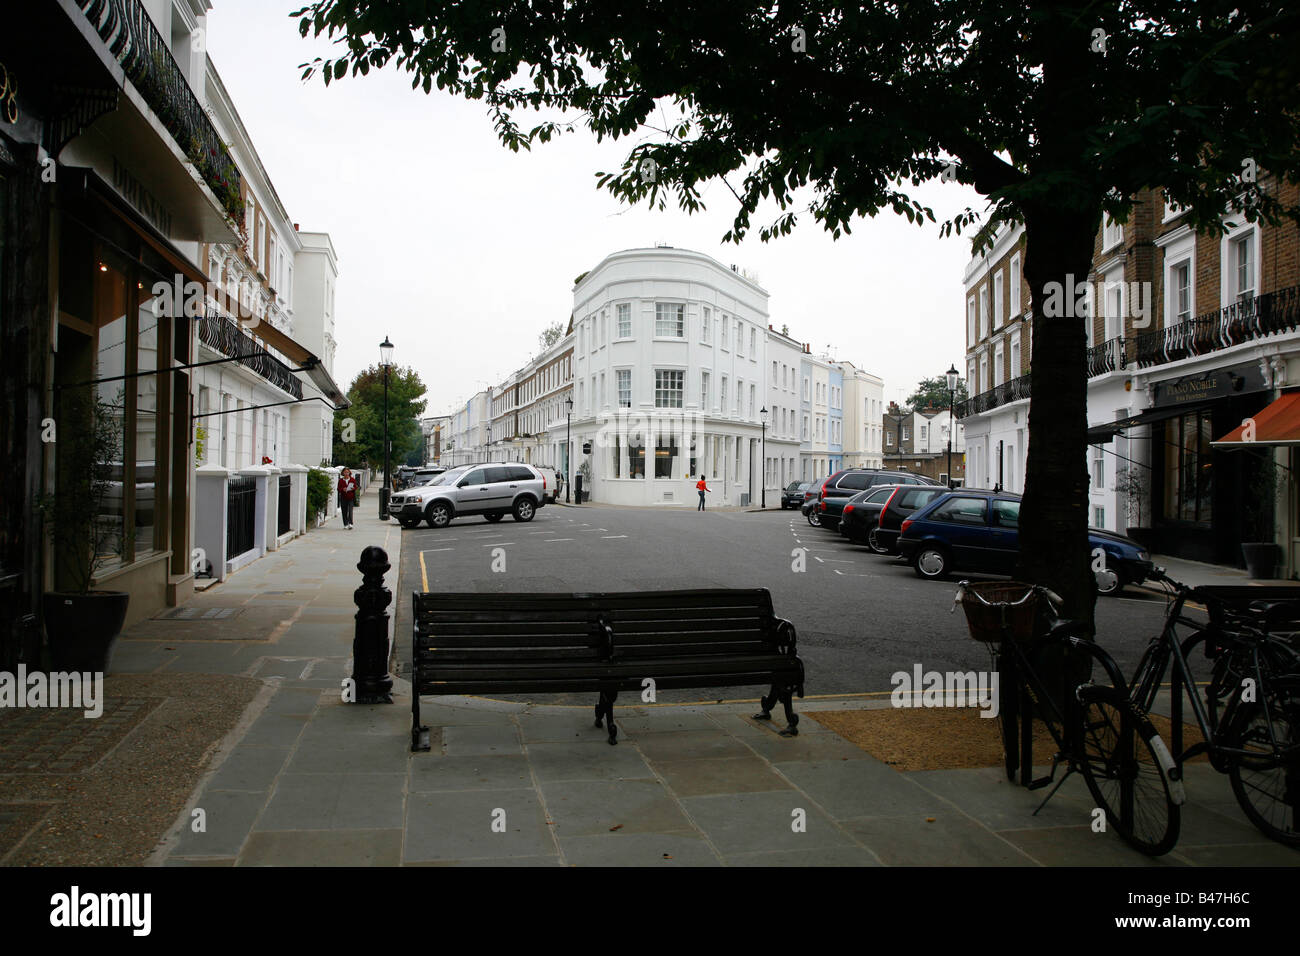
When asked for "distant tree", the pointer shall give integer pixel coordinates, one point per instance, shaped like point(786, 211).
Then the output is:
point(550, 335)
point(933, 393)
point(366, 418)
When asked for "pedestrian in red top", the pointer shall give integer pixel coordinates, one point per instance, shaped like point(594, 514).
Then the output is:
point(347, 496)
point(701, 487)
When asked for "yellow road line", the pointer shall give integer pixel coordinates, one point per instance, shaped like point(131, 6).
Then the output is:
point(424, 575)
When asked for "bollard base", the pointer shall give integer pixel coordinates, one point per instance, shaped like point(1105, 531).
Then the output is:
point(420, 740)
point(375, 698)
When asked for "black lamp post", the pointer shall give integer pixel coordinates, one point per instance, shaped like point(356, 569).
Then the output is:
point(952, 423)
point(385, 360)
point(568, 446)
point(762, 413)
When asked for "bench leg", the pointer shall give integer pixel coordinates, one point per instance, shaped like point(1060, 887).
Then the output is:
point(791, 718)
point(767, 703)
point(605, 712)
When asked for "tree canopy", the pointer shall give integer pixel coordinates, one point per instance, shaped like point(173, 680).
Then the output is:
point(366, 415)
point(933, 393)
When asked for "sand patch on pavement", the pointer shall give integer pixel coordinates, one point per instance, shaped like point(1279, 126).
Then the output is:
point(943, 738)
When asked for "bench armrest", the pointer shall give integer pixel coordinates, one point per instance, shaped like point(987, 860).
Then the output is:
point(785, 636)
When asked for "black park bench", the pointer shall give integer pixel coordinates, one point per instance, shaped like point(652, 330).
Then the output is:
point(485, 643)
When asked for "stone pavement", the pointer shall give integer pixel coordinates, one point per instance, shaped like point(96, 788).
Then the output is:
point(1198, 574)
point(308, 780)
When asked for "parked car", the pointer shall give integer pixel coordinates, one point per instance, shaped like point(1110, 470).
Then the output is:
point(901, 503)
point(403, 475)
point(548, 476)
point(492, 490)
point(424, 475)
point(809, 510)
point(794, 494)
point(978, 530)
point(860, 513)
point(847, 482)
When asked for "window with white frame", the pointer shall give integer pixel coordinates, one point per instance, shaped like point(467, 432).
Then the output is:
point(803, 433)
point(724, 325)
point(753, 344)
point(984, 310)
point(1015, 355)
point(753, 405)
point(704, 390)
point(1098, 469)
point(1014, 279)
point(997, 365)
point(670, 318)
point(604, 396)
point(624, 313)
point(774, 374)
point(970, 320)
point(1241, 266)
point(1179, 297)
point(706, 320)
point(740, 337)
point(997, 299)
point(722, 396)
point(624, 382)
point(1112, 232)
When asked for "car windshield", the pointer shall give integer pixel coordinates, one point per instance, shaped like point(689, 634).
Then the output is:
point(446, 476)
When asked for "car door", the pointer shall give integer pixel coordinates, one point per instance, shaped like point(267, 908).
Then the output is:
point(473, 493)
point(502, 484)
point(1004, 535)
point(962, 523)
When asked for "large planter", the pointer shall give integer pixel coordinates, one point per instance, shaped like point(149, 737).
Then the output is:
point(82, 628)
point(1262, 559)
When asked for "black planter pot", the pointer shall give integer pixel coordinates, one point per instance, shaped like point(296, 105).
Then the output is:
point(1262, 559)
point(82, 628)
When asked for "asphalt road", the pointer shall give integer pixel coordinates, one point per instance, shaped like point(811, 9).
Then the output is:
point(860, 617)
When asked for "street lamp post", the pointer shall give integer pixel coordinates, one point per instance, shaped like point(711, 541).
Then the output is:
point(952, 424)
point(385, 360)
point(762, 412)
point(568, 446)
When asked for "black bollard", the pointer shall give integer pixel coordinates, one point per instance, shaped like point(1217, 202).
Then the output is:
point(370, 679)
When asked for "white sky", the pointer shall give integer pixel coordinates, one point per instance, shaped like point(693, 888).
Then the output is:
point(462, 251)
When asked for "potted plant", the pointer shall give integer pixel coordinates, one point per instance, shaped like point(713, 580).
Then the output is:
point(585, 470)
point(82, 623)
point(1134, 484)
point(1262, 555)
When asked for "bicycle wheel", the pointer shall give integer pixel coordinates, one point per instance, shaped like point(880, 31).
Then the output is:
point(1124, 764)
point(1267, 786)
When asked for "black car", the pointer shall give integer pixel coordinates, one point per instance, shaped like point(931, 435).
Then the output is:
point(793, 496)
point(847, 482)
point(858, 518)
point(903, 502)
point(973, 529)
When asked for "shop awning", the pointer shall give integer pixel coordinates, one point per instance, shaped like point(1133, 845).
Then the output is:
point(1100, 434)
point(1278, 424)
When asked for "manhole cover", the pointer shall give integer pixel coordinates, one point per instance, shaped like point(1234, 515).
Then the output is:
point(198, 614)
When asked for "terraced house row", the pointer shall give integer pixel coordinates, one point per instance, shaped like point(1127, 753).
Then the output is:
point(1189, 336)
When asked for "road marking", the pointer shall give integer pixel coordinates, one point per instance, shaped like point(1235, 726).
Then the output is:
point(608, 536)
point(496, 544)
point(554, 540)
point(541, 532)
point(424, 572)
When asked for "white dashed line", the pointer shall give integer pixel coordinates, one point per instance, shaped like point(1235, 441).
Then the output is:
point(496, 544)
point(432, 550)
point(555, 540)
point(608, 536)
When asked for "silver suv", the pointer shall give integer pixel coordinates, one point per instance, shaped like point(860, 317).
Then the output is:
point(492, 490)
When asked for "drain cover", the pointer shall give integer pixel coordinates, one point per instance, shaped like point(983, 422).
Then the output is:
point(199, 614)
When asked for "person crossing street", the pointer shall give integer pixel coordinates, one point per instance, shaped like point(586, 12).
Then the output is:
point(701, 486)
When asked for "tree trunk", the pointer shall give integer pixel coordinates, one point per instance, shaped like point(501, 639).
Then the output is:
point(1054, 512)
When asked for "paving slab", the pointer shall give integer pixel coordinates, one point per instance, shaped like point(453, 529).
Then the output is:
point(595, 760)
point(762, 822)
point(704, 776)
point(325, 801)
point(638, 849)
point(857, 788)
point(481, 739)
point(324, 848)
point(228, 819)
point(593, 807)
point(952, 839)
point(434, 772)
point(459, 825)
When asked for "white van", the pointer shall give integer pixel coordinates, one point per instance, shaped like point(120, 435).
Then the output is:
point(549, 474)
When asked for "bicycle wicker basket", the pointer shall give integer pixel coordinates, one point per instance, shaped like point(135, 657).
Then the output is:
point(1001, 619)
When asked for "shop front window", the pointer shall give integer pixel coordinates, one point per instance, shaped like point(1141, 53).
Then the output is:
point(1189, 474)
point(665, 455)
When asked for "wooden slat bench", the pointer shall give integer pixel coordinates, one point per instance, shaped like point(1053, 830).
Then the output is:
point(482, 643)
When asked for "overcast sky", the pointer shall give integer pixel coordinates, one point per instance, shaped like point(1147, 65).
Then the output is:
point(462, 251)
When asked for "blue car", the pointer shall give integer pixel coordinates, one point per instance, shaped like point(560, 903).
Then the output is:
point(975, 530)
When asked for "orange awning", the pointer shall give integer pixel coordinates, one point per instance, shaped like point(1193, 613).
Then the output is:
point(1278, 424)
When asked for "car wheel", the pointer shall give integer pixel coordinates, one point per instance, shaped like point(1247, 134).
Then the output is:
point(494, 517)
point(813, 520)
point(1109, 582)
point(931, 562)
point(873, 542)
point(525, 509)
point(438, 515)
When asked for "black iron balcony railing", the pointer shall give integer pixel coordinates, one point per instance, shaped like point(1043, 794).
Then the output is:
point(1242, 321)
point(126, 29)
point(221, 334)
point(1108, 356)
point(1012, 391)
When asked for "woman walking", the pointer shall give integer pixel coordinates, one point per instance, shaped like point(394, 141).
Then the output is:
point(701, 486)
point(347, 496)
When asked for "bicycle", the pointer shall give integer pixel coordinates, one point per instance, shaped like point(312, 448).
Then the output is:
point(1250, 717)
point(1097, 731)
